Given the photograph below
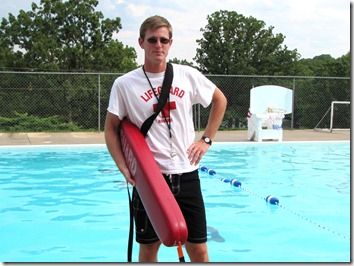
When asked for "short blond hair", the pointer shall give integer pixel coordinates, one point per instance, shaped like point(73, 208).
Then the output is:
point(153, 23)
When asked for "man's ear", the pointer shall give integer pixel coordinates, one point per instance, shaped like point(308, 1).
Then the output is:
point(140, 41)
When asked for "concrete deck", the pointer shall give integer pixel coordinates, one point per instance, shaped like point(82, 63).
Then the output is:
point(222, 136)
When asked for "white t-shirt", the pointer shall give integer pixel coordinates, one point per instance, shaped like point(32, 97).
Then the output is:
point(132, 97)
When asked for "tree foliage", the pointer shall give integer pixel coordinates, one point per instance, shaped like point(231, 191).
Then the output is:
point(28, 123)
point(325, 66)
point(64, 35)
point(181, 62)
point(235, 44)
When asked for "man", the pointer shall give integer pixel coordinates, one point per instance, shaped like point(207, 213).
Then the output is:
point(171, 136)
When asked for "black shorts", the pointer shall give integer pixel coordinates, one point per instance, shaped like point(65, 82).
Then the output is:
point(187, 191)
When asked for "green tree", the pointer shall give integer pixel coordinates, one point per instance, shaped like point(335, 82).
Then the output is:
point(325, 66)
point(320, 92)
point(182, 62)
point(65, 35)
point(343, 66)
point(61, 35)
point(235, 44)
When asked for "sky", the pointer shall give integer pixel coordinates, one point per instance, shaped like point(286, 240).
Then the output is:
point(313, 27)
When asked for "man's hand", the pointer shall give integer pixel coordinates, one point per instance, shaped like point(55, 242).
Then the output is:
point(196, 151)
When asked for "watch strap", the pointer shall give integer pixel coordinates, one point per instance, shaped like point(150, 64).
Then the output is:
point(207, 140)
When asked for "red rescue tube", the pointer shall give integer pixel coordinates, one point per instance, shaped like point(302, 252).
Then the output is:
point(164, 213)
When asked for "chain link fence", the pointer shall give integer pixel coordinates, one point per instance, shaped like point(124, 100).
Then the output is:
point(49, 101)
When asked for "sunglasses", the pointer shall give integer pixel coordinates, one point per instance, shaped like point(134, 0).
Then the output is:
point(163, 40)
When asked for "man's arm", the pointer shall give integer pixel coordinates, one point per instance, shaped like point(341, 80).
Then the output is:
point(114, 146)
point(199, 148)
point(216, 115)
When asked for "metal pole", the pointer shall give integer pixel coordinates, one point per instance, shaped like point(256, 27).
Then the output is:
point(292, 113)
point(199, 117)
point(195, 117)
point(331, 123)
point(99, 103)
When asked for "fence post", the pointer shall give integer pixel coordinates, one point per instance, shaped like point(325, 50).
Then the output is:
point(292, 113)
point(99, 103)
point(199, 117)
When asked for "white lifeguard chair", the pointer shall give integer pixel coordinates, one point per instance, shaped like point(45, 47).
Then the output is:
point(268, 106)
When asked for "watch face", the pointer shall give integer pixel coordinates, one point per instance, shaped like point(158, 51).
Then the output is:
point(207, 140)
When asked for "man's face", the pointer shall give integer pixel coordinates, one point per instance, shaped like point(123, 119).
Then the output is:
point(156, 45)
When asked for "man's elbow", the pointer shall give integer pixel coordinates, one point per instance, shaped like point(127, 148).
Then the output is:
point(111, 124)
point(221, 101)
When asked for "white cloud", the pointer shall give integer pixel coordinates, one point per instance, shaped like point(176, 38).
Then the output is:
point(108, 5)
point(136, 10)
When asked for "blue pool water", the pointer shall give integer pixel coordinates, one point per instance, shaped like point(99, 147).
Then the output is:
point(69, 204)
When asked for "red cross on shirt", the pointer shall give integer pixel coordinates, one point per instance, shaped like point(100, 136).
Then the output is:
point(166, 109)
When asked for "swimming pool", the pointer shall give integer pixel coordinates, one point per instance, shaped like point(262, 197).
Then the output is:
point(69, 204)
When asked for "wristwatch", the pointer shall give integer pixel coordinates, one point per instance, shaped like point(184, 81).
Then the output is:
point(207, 140)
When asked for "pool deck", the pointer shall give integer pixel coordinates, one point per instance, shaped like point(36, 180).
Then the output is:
point(221, 136)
